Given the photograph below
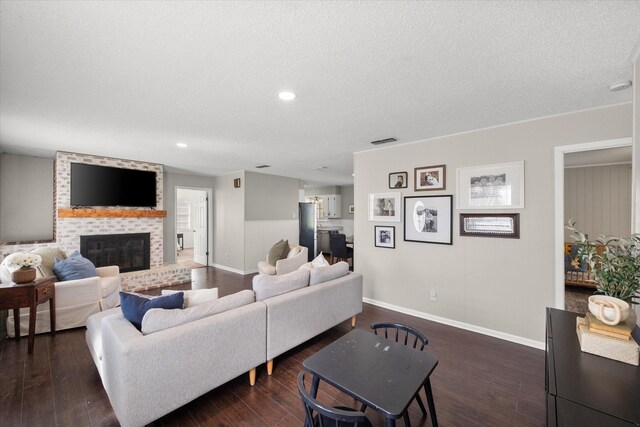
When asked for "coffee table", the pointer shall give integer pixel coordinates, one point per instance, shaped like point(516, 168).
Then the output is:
point(383, 374)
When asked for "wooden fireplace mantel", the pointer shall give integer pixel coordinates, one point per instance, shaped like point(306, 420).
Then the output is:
point(110, 213)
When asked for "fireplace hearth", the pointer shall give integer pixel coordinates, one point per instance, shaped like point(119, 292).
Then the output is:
point(130, 252)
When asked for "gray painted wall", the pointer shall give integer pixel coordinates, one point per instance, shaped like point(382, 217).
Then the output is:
point(270, 197)
point(598, 198)
point(347, 199)
point(502, 285)
point(171, 181)
point(228, 221)
point(26, 198)
point(323, 191)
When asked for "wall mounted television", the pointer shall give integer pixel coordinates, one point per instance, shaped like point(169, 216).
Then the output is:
point(93, 185)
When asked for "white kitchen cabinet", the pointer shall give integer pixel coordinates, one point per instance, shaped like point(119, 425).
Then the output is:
point(333, 205)
point(327, 206)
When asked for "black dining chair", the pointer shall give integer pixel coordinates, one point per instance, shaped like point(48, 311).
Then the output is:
point(411, 337)
point(339, 248)
point(327, 416)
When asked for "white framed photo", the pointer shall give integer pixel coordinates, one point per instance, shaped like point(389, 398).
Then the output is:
point(499, 186)
point(428, 219)
point(384, 207)
point(385, 236)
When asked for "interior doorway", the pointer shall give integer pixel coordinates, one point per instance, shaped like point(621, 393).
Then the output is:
point(593, 187)
point(192, 226)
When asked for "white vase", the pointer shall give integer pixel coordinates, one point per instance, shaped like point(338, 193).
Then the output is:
point(609, 310)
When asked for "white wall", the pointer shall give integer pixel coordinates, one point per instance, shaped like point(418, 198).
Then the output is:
point(636, 145)
point(500, 286)
point(26, 198)
point(598, 198)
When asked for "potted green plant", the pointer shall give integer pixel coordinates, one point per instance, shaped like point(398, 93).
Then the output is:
point(615, 267)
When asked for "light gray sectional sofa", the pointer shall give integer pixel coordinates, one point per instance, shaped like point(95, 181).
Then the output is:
point(148, 376)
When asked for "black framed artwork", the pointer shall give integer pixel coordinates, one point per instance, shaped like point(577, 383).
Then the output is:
point(428, 219)
point(385, 236)
point(398, 179)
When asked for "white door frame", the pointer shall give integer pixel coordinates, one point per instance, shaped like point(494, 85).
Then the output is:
point(209, 192)
point(559, 203)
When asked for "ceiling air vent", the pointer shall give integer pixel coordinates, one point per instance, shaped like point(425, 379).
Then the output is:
point(383, 141)
point(263, 166)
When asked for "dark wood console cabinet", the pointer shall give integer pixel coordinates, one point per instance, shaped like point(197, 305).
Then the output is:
point(584, 389)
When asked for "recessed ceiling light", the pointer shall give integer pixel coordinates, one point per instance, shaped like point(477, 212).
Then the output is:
point(319, 168)
point(620, 85)
point(181, 145)
point(287, 96)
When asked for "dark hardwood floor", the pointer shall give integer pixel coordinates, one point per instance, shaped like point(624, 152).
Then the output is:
point(480, 381)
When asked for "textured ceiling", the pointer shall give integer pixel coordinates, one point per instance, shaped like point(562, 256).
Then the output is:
point(130, 79)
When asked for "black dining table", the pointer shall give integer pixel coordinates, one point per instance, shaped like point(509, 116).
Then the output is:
point(383, 374)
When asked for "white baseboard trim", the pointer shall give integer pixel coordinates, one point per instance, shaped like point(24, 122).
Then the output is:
point(473, 328)
point(233, 270)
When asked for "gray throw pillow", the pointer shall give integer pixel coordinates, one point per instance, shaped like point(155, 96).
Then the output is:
point(158, 319)
point(270, 286)
point(278, 252)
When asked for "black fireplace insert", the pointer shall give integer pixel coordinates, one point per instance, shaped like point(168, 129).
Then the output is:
point(130, 252)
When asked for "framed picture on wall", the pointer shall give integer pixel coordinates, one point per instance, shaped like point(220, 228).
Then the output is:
point(398, 179)
point(428, 219)
point(385, 236)
point(499, 186)
point(430, 178)
point(490, 225)
point(384, 207)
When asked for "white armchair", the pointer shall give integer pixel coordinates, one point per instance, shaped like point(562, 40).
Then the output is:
point(76, 300)
point(292, 262)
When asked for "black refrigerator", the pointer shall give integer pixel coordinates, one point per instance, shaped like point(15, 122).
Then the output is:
point(307, 232)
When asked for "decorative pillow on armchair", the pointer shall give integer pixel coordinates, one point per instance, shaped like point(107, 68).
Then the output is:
point(74, 267)
point(278, 251)
point(48, 255)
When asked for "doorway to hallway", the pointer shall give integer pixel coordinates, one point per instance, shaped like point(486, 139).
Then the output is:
point(192, 227)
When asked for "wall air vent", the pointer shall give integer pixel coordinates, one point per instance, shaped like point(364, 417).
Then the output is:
point(263, 166)
point(383, 141)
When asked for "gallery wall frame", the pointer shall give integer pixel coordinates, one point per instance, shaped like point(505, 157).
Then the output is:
point(428, 178)
point(385, 207)
point(384, 236)
point(496, 186)
point(505, 225)
point(398, 179)
point(428, 219)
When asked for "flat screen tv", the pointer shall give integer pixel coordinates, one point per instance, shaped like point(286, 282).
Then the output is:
point(93, 185)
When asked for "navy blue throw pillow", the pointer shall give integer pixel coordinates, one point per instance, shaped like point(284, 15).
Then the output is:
point(135, 306)
point(74, 267)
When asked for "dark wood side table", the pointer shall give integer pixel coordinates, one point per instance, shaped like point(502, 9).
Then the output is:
point(14, 297)
point(584, 389)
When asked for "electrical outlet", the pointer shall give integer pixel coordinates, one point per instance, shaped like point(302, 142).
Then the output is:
point(432, 296)
point(226, 256)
